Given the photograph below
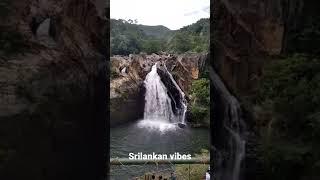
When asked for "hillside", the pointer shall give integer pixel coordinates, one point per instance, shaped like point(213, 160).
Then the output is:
point(156, 31)
point(129, 38)
point(191, 38)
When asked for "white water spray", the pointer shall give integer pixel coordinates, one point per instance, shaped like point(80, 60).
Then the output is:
point(157, 101)
point(158, 113)
point(234, 125)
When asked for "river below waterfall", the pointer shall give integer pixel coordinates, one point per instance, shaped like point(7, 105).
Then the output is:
point(134, 138)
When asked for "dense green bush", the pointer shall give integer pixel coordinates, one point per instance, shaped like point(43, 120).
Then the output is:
point(200, 101)
point(153, 46)
point(290, 138)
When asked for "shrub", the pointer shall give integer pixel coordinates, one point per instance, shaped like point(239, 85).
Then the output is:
point(200, 101)
point(289, 147)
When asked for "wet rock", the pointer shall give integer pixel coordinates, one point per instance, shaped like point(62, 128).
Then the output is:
point(43, 33)
point(181, 125)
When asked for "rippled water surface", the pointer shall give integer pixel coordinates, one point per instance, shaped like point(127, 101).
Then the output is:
point(147, 137)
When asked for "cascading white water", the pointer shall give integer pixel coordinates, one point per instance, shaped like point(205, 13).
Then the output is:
point(235, 128)
point(157, 101)
point(236, 141)
point(158, 112)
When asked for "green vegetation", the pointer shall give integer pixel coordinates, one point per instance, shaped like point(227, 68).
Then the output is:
point(200, 101)
point(128, 37)
point(288, 116)
point(197, 171)
point(287, 113)
point(193, 38)
point(153, 46)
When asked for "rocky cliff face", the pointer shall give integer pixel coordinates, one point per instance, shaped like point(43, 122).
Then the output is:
point(245, 33)
point(128, 74)
point(50, 93)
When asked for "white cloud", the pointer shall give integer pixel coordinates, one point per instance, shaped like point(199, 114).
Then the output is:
point(173, 14)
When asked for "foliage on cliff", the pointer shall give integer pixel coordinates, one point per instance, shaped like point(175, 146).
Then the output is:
point(287, 113)
point(129, 38)
point(288, 117)
point(200, 101)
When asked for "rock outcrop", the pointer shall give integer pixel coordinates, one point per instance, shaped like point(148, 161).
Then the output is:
point(245, 34)
point(51, 94)
point(128, 74)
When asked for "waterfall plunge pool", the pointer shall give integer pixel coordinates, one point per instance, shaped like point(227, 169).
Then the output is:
point(135, 137)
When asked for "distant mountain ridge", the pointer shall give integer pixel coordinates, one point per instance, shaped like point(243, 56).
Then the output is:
point(128, 37)
point(158, 31)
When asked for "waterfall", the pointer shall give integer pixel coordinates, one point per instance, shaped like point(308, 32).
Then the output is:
point(229, 155)
point(158, 111)
point(157, 101)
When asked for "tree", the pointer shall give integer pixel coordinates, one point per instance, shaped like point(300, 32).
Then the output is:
point(180, 43)
point(152, 46)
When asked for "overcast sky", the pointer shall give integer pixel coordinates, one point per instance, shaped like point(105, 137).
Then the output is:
point(173, 14)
